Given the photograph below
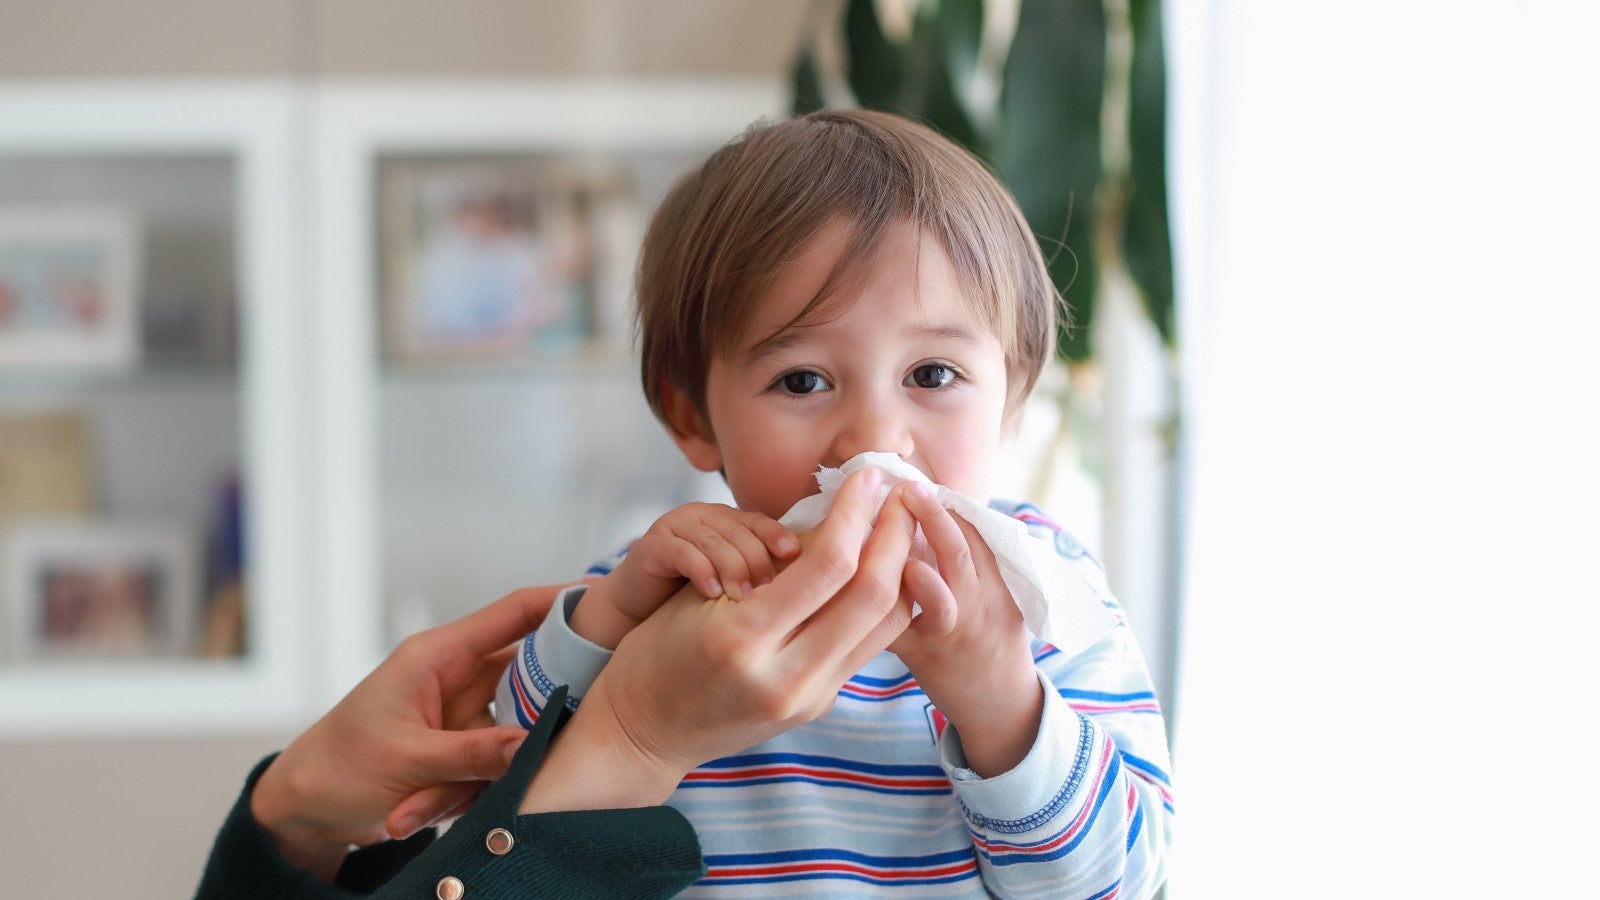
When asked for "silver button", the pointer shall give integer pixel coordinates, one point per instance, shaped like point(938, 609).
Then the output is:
point(499, 841)
point(449, 888)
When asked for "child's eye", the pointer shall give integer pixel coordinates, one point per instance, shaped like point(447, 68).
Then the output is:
point(803, 381)
point(932, 375)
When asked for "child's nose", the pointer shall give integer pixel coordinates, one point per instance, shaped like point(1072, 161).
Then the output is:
point(871, 426)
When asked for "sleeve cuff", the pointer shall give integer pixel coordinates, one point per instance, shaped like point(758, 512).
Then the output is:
point(1036, 784)
point(564, 656)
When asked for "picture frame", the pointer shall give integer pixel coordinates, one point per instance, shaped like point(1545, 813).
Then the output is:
point(496, 257)
point(100, 591)
point(68, 278)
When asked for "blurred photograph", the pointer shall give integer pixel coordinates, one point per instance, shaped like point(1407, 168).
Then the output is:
point(66, 288)
point(87, 591)
point(488, 258)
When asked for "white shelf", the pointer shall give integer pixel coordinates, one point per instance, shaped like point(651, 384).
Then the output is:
point(253, 123)
point(309, 379)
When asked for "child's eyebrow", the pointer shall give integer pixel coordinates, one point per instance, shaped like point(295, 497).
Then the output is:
point(794, 335)
point(951, 332)
point(774, 345)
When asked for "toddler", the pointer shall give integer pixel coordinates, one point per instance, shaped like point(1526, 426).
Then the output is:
point(827, 286)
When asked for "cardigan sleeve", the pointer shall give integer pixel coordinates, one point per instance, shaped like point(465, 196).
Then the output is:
point(645, 852)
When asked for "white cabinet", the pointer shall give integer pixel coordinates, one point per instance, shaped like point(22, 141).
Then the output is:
point(383, 488)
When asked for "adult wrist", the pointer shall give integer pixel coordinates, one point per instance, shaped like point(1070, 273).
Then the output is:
point(278, 803)
point(593, 763)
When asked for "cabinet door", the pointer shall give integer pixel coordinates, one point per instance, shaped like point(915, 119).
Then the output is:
point(149, 428)
point(486, 429)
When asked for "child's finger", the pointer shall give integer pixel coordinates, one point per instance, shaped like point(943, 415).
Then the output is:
point(948, 541)
point(738, 556)
point(754, 565)
point(927, 589)
point(691, 561)
point(779, 541)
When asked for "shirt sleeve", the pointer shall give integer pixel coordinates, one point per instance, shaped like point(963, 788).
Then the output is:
point(1088, 812)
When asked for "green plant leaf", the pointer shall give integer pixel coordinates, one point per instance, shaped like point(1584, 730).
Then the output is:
point(873, 63)
point(1049, 143)
point(1148, 238)
point(806, 84)
point(961, 27)
point(927, 92)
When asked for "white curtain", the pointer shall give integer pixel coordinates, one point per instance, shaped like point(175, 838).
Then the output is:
point(1389, 254)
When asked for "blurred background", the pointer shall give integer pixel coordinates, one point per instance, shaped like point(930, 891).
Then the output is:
point(313, 332)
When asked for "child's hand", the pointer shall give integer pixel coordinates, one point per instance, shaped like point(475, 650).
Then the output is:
point(718, 549)
point(969, 649)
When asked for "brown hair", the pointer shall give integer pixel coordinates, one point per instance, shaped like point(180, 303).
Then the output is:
point(725, 229)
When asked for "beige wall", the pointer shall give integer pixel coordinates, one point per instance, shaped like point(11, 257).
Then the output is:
point(134, 818)
point(73, 38)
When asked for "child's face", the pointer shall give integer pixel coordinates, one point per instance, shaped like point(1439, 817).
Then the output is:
point(904, 369)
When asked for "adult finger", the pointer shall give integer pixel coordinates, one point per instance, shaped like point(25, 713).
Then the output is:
point(828, 563)
point(479, 754)
point(870, 611)
point(430, 805)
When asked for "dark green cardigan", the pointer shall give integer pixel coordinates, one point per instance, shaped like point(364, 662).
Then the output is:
point(649, 852)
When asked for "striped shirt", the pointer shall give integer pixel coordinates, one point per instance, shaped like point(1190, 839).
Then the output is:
point(874, 799)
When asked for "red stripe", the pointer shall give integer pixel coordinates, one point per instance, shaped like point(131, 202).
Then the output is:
point(769, 771)
point(1108, 708)
point(522, 698)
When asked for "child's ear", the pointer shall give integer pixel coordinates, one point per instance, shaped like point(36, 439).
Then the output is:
point(690, 429)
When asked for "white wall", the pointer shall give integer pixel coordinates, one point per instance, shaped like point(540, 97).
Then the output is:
point(1389, 236)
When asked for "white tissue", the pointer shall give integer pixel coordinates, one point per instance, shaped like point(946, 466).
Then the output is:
point(1059, 605)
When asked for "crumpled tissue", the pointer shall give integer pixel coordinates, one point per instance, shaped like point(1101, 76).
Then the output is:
point(1058, 604)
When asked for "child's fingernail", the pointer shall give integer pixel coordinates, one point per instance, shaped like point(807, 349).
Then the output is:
point(511, 752)
point(787, 545)
point(745, 588)
point(714, 588)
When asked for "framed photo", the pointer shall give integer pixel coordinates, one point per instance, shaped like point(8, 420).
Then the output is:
point(67, 277)
point(96, 591)
point(497, 257)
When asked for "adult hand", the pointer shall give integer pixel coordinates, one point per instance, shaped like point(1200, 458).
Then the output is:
point(410, 745)
point(701, 679)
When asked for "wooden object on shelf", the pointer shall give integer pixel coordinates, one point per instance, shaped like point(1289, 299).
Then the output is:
point(44, 466)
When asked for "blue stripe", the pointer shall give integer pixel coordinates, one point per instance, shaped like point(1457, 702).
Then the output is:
point(832, 762)
point(1108, 891)
point(829, 854)
point(1106, 696)
point(1145, 765)
point(871, 681)
point(1136, 827)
